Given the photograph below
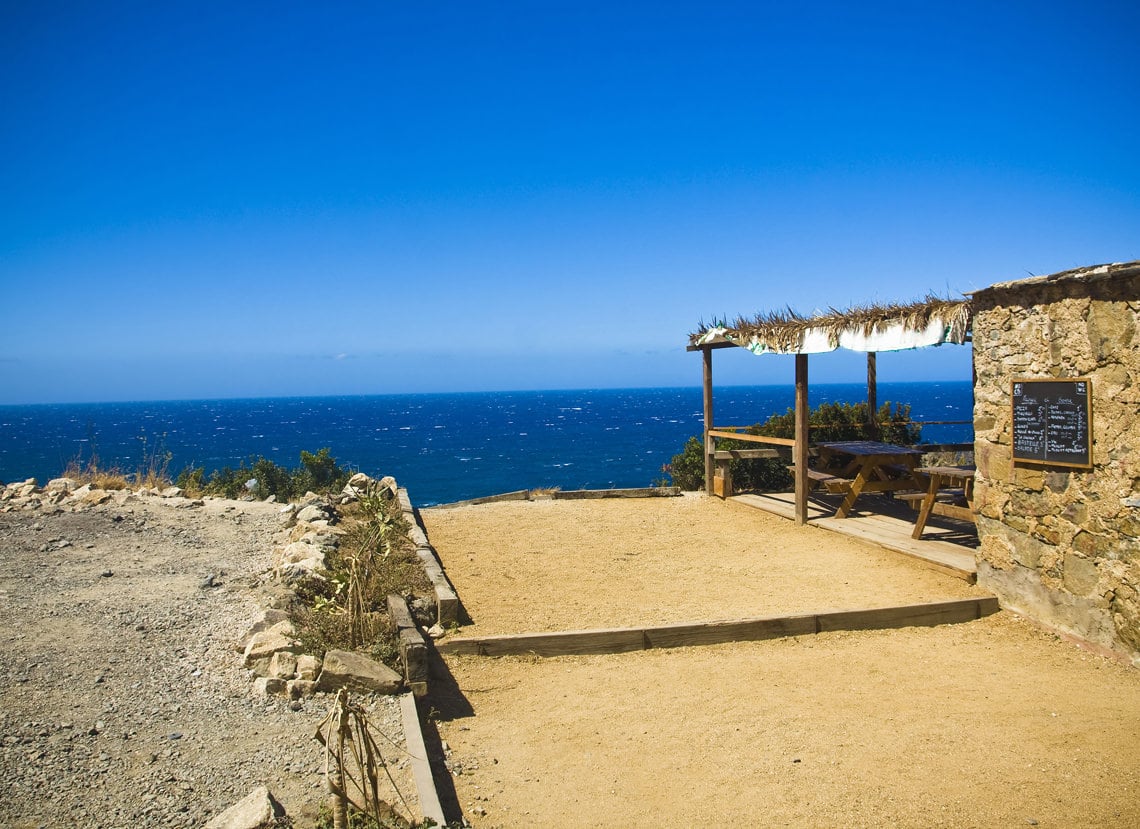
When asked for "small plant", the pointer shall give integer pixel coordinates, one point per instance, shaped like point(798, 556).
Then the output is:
point(353, 762)
point(375, 558)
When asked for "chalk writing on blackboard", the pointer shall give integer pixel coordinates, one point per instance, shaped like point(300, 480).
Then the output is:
point(1052, 421)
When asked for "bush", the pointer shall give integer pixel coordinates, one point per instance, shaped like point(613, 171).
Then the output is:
point(261, 478)
point(827, 422)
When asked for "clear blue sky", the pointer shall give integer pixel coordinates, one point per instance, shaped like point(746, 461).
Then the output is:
point(249, 199)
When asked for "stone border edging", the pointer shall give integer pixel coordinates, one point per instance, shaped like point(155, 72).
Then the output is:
point(624, 640)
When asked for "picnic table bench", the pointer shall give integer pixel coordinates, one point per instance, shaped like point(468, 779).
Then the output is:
point(949, 491)
point(873, 467)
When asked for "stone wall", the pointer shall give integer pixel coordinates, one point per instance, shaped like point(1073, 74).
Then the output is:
point(1058, 544)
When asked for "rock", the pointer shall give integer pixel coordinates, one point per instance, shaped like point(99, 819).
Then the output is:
point(347, 669)
point(436, 631)
point(308, 666)
point(283, 665)
point(269, 686)
point(262, 645)
point(313, 513)
point(299, 572)
point(97, 496)
point(172, 492)
point(301, 688)
point(297, 551)
point(287, 516)
point(257, 810)
point(65, 485)
point(263, 621)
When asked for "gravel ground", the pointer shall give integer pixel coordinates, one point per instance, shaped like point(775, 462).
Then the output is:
point(122, 699)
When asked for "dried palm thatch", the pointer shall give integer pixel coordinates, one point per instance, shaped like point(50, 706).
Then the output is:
point(785, 331)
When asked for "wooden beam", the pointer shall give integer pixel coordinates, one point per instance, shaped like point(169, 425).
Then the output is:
point(872, 395)
point(625, 640)
point(801, 446)
point(418, 759)
point(747, 438)
point(709, 443)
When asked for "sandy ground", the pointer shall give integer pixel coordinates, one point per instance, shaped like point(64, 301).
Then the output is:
point(529, 566)
point(990, 723)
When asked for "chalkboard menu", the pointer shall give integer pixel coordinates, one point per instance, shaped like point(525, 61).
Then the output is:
point(1052, 421)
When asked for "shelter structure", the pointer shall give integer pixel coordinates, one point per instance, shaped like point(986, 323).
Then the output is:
point(868, 329)
point(1056, 432)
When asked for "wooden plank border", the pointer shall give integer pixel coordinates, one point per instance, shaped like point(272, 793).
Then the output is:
point(421, 765)
point(624, 640)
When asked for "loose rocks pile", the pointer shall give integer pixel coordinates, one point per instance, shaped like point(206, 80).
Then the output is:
point(122, 701)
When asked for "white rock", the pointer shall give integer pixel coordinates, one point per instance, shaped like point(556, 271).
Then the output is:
point(313, 513)
point(257, 810)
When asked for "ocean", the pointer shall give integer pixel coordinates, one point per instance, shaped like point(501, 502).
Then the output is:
point(442, 447)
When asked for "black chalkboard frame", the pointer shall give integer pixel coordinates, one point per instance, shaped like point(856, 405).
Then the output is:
point(1087, 461)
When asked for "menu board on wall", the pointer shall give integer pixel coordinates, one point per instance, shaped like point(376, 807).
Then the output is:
point(1052, 421)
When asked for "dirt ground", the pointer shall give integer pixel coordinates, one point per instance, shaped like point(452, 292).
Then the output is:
point(990, 723)
point(122, 699)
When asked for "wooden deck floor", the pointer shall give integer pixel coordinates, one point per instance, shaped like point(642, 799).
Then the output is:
point(946, 544)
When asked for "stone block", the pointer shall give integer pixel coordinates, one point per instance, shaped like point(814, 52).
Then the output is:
point(348, 669)
point(257, 810)
point(283, 665)
point(263, 621)
point(313, 513)
point(1081, 574)
point(308, 666)
point(301, 688)
point(264, 644)
point(269, 686)
point(297, 551)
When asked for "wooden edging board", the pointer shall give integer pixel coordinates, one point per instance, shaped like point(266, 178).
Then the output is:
point(418, 757)
point(446, 599)
point(624, 640)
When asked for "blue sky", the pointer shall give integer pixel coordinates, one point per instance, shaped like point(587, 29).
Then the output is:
point(250, 199)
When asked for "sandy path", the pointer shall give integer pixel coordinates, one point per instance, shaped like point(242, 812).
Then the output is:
point(522, 566)
point(991, 723)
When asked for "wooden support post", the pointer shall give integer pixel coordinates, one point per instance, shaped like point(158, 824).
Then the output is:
point(872, 396)
point(801, 449)
point(706, 354)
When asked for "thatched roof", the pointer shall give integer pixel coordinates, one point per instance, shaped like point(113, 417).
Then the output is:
point(931, 321)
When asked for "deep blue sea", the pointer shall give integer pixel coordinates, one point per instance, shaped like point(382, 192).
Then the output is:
point(442, 447)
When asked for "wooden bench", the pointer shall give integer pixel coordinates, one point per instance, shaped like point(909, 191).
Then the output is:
point(832, 483)
point(722, 473)
point(953, 501)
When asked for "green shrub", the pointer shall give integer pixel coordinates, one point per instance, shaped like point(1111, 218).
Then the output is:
point(261, 478)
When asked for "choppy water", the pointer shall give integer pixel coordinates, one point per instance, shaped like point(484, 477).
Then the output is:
point(443, 447)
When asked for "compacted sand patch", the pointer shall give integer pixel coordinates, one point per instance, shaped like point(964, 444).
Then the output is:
point(536, 566)
point(988, 723)
point(992, 723)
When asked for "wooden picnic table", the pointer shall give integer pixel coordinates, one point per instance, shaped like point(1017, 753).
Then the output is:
point(872, 467)
point(949, 491)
